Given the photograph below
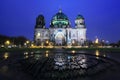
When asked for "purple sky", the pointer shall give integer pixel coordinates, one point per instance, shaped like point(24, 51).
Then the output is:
point(17, 17)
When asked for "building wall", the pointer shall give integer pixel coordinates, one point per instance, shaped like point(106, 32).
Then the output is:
point(69, 36)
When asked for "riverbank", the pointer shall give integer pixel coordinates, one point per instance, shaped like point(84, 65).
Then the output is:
point(67, 49)
point(92, 49)
point(23, 49)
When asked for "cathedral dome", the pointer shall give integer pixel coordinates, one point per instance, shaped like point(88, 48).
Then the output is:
point(59, 20)
point(80, 17)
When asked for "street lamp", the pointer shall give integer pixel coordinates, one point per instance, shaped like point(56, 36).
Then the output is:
point(27, 42)
point(47, 42)
point(7, 42)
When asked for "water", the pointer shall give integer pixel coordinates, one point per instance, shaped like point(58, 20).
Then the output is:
point(60, 65)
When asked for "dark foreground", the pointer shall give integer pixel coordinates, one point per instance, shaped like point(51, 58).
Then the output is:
point(60, 65)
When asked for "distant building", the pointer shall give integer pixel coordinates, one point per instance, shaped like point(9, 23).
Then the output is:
point(60, 31)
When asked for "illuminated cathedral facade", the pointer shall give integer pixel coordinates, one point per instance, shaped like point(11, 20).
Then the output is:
point(60, 32)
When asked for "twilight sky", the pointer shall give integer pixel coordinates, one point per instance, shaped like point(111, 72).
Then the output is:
point(102, 17)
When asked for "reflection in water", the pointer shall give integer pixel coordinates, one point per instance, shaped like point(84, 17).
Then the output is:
point(63, 61)
point(97, 53)
point(64, 65)
point(26, 55)
point(37, 56)
point(104, 55)
point(32, 53)
point(46, 53)
point(59, 59)
point(6, 55)
point(73, 51)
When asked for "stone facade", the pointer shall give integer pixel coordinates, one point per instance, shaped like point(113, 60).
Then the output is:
point(60, 31)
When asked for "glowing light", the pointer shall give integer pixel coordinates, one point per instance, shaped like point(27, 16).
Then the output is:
point(83, 60)
point(6, 55)
point(97, 41)
point(46, 51)
point(26, 53)
point(38, 34)
point(104, 55)
point(97, 54)
point(32, 45)
point(47, 42)
point(26, 56)
point(7, 42)
point(46, 55)
point(2, 45)
point(73, 51)
point(27, 42)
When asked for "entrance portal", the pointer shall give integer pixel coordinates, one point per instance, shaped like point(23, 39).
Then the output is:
point(60, 39)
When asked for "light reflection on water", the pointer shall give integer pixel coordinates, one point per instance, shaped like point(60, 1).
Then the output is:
point(63, 61)
point(98, 54)
point(26, 55)
point(104, 55)
point(6, 55)
point(48, 63)
point(46, 53)
point(73, 51)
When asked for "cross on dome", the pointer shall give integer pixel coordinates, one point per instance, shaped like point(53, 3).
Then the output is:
point(60, 10)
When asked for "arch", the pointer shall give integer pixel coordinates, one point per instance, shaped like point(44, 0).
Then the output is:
point(59, 38)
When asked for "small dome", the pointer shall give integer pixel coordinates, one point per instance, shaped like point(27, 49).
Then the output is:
point(60, 19)
point(80, 17)
point(40, 21)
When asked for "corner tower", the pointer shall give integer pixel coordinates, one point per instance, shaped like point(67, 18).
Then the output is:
point(40, 25)
point(40, 22)
point(81, 29)
point(79, 22)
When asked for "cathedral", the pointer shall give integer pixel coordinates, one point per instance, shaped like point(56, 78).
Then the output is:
point(60, 32)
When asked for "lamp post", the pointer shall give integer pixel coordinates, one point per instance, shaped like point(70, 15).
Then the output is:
point(27, 43)
point(7, 43)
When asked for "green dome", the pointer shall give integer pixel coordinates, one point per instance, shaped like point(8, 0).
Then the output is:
point(80, 17)
point(60, 16)
point(60, 19)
